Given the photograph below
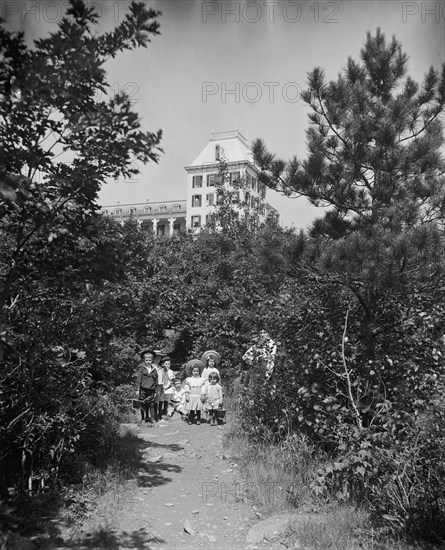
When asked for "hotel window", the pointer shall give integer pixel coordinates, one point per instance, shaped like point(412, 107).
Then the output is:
point(235, 196)
point(104, 212)
point(147, 210)
point(162, 208)
point(197, 181)
point(132, 212)
point(254, 181)
point(177, 207)
point(212, 180)
point(196, 221)
point(118, 212)
point(234, 176)
point(249, 180)
point(210, 199)
point(176, 228)
point(197, 200)
point(160, 230)
point(262, 190)
point(209, 218)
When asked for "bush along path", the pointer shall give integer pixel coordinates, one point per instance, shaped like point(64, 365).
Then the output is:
point(188, 494)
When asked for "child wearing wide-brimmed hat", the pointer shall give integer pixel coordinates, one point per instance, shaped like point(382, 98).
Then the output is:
point(193, 390)
point(211, 360)
point(146, 380)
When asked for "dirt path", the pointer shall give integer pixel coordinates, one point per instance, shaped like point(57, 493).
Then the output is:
point(188, 493)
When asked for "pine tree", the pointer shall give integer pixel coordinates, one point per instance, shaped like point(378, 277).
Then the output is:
point(373, 143)
point(374, 158)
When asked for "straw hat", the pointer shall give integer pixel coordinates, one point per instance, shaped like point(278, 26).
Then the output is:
point(211, 354)
point(148, 351)
point(194, 363)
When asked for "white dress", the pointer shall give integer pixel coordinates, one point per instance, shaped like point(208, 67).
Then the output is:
point(194, 385)
point(214, 396)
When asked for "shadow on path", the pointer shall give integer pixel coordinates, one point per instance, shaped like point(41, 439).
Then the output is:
point(135, 458)
point(144, 458)
point(141, 539)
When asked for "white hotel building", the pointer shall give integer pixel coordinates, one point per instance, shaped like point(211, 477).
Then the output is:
point(170, 217)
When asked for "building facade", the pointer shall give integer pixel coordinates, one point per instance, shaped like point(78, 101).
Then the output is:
point(170, 217)
point(164, 219)
point(203, 173)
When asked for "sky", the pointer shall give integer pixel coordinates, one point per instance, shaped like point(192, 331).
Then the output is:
point(239, 64)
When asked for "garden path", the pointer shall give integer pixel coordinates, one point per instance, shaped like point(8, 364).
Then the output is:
point(188, 495)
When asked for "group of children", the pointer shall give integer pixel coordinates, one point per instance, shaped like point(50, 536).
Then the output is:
point(162, 393)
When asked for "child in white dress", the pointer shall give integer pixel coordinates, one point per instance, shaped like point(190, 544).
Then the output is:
point(212, 397)
point(193, 391)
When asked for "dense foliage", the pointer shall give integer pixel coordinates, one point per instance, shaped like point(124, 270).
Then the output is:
point(60, 143)
point(367, 339)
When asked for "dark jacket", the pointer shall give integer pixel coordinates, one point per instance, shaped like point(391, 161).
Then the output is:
point(146, 380)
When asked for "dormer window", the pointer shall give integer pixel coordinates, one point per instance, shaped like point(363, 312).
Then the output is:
point(219, 152)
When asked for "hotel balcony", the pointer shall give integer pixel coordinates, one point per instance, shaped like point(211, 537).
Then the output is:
point(163, 218)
